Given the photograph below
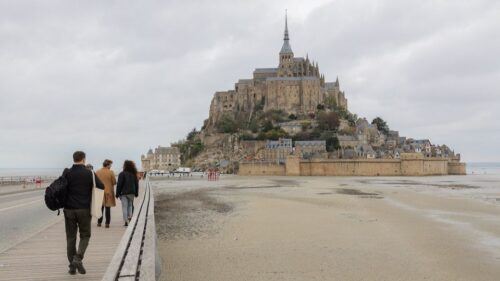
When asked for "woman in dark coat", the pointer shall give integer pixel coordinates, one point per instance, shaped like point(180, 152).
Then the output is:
point(127, 188)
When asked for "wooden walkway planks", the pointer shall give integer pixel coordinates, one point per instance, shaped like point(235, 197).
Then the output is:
point(43, 256)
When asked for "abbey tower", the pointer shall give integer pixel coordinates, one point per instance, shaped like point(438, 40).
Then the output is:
point(296, 87)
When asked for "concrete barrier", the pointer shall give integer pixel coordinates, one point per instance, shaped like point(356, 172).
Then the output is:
point(136, 257)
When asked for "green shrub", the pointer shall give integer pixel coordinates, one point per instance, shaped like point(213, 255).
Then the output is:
point(381, 125)
point(227, 124)
point(267, 126)
point(328, 121)
point(332, 142)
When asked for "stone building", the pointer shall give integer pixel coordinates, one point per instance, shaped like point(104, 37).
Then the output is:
point(393, 136)
point(310, 149)
point(348, 141)
point(370, 131)
point(163, 158)
point(295, 86)
point(365, 151)
point(277, 151)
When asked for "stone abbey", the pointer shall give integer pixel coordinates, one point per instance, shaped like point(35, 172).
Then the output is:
point(288, 121)
point(296, 87)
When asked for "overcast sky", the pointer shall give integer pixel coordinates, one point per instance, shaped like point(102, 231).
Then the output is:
point(114, 78)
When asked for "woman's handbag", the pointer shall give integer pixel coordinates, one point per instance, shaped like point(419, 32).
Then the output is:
point(97, 198)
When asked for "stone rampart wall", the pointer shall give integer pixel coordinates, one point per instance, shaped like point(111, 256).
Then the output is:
point(261, 169)
point(456, 168)
point(360, 167)
point(351, 168)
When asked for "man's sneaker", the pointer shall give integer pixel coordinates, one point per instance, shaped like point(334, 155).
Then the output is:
point(126, 224)
point(99, 224)
point(107, 226)
point(77, 262)
point(72, 269)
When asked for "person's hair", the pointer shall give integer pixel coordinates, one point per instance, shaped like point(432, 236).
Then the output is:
point(106, 163)
point(78, 156)
point(129, 166)
point(89, 166)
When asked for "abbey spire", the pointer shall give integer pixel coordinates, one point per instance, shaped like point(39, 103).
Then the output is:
point(286, 48)
point(286, 55)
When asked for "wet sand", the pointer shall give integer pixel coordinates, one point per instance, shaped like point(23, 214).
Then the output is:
point(329, 228)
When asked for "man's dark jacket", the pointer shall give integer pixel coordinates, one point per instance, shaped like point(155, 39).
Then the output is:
point(79, 191)
point(127, 184)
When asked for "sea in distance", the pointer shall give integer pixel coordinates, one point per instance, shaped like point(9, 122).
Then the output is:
point(30, 172)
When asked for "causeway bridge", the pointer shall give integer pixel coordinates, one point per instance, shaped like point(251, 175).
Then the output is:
point(117, 253)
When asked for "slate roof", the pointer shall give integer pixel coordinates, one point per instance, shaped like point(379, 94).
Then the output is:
point(265, 70)
point(311, 143)
point(292, 78)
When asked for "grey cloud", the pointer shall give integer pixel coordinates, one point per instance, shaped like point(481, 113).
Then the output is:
point(116, 77)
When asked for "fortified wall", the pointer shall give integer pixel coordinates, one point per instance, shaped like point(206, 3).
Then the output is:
point(410, 164)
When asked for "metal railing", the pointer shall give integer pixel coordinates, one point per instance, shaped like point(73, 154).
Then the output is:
point(14, 180)
point(136, 255)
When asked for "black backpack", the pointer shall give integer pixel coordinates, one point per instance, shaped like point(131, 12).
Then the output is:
point(55, 193)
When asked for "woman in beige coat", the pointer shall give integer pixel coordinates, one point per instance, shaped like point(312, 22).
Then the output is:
point(107, 177)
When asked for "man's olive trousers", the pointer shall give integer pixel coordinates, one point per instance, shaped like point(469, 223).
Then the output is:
point(74, 220)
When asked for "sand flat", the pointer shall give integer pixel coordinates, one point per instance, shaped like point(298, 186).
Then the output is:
point(326, 228)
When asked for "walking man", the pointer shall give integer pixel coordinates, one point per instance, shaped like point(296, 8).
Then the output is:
point(108, 178)
point(77, 210)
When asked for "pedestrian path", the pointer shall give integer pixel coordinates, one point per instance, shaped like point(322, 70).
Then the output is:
point(43, 256)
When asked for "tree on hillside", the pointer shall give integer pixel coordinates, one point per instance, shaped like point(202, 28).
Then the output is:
point(273, 134)
point(332, 142)
point(328, 121)
point(246, 137)
point(276, 115)
point(227, 124)
point(352, 118)
point(192, 134)
point(301, 136)
point(316, 133)
point(330, 103)
point(190, 147)
point(267, 126)
point(253, 126)
point(305, 125)
point(276, 134)
point(381, 125)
